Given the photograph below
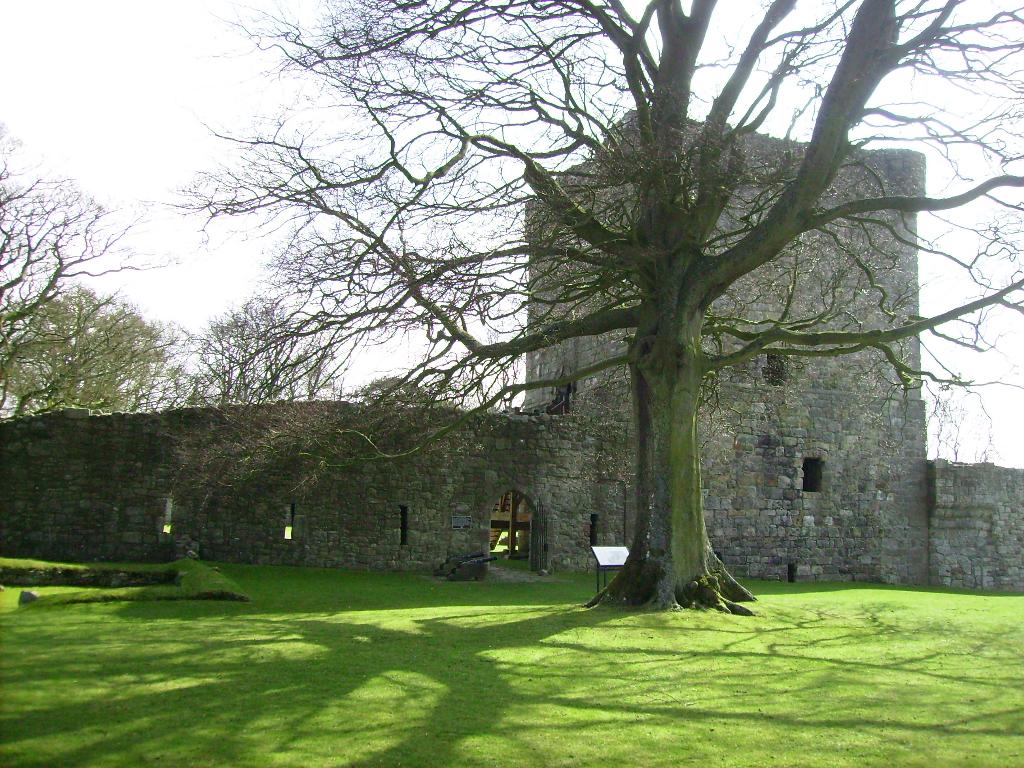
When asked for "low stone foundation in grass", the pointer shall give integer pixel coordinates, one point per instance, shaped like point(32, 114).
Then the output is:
point(60, 576)
point(181, 580)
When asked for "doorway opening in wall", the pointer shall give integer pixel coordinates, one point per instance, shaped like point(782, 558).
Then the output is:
point(511, 519)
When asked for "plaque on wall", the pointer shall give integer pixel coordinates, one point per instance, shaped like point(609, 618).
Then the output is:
point(461, 522)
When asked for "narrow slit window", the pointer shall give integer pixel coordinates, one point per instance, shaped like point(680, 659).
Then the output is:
point(812, 474)
point(165, 527)
point(290, 527)
point(593, 530)
point(403, 530)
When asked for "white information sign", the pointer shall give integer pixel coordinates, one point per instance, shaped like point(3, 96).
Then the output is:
point(610, 557)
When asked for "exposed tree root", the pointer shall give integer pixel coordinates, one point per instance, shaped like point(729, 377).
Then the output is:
point(641, 583)
point(729, 588)
point(707, 592)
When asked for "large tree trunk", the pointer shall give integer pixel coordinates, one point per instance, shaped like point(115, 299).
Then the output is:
point(671, 562)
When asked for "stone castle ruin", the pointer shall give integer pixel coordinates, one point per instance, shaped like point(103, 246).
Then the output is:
point(812, 467)
point(814, 470)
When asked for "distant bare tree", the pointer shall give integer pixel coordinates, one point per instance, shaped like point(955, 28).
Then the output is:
point(960, 428)
point(253, 355)
point(50, 234)
point(595, 166)
point(89, 351)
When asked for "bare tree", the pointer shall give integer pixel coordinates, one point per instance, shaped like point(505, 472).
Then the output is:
point(959, 426)
point(90, 351)
point(50, 234)
point(596, 167)
point(251, 355)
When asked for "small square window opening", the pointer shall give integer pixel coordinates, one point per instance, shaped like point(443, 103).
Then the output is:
point(812, 474)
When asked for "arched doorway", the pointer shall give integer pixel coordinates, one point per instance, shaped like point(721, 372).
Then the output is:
point(511, 519)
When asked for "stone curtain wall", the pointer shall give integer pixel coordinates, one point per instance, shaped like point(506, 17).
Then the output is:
point(351, 517)
point(80, 487)
point(977, 526)
point(75, 487)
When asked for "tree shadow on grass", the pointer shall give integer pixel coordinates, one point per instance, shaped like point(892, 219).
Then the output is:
point(490, 679)
point(778, 587)
point(309, 679)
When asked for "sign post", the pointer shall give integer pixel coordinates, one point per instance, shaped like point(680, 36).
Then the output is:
point(608, 559)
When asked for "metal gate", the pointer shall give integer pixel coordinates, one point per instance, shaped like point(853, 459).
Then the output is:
point(540, 556)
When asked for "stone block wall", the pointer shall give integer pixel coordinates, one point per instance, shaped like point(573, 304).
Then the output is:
point(977, 526)
point(75, 487)
point(81, 487)
point(866, 521)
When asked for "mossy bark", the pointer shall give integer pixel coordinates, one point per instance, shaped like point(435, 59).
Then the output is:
point(671, 563)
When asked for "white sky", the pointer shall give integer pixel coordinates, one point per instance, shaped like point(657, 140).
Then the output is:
point(121, 95)
point(118, 94)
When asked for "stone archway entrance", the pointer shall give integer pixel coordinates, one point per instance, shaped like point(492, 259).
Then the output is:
point(511, 520)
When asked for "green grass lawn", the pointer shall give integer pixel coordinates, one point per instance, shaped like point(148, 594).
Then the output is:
point(332, 668)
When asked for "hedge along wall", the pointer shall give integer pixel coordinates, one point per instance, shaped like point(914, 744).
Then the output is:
point(977, 526)
point(121, 487)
